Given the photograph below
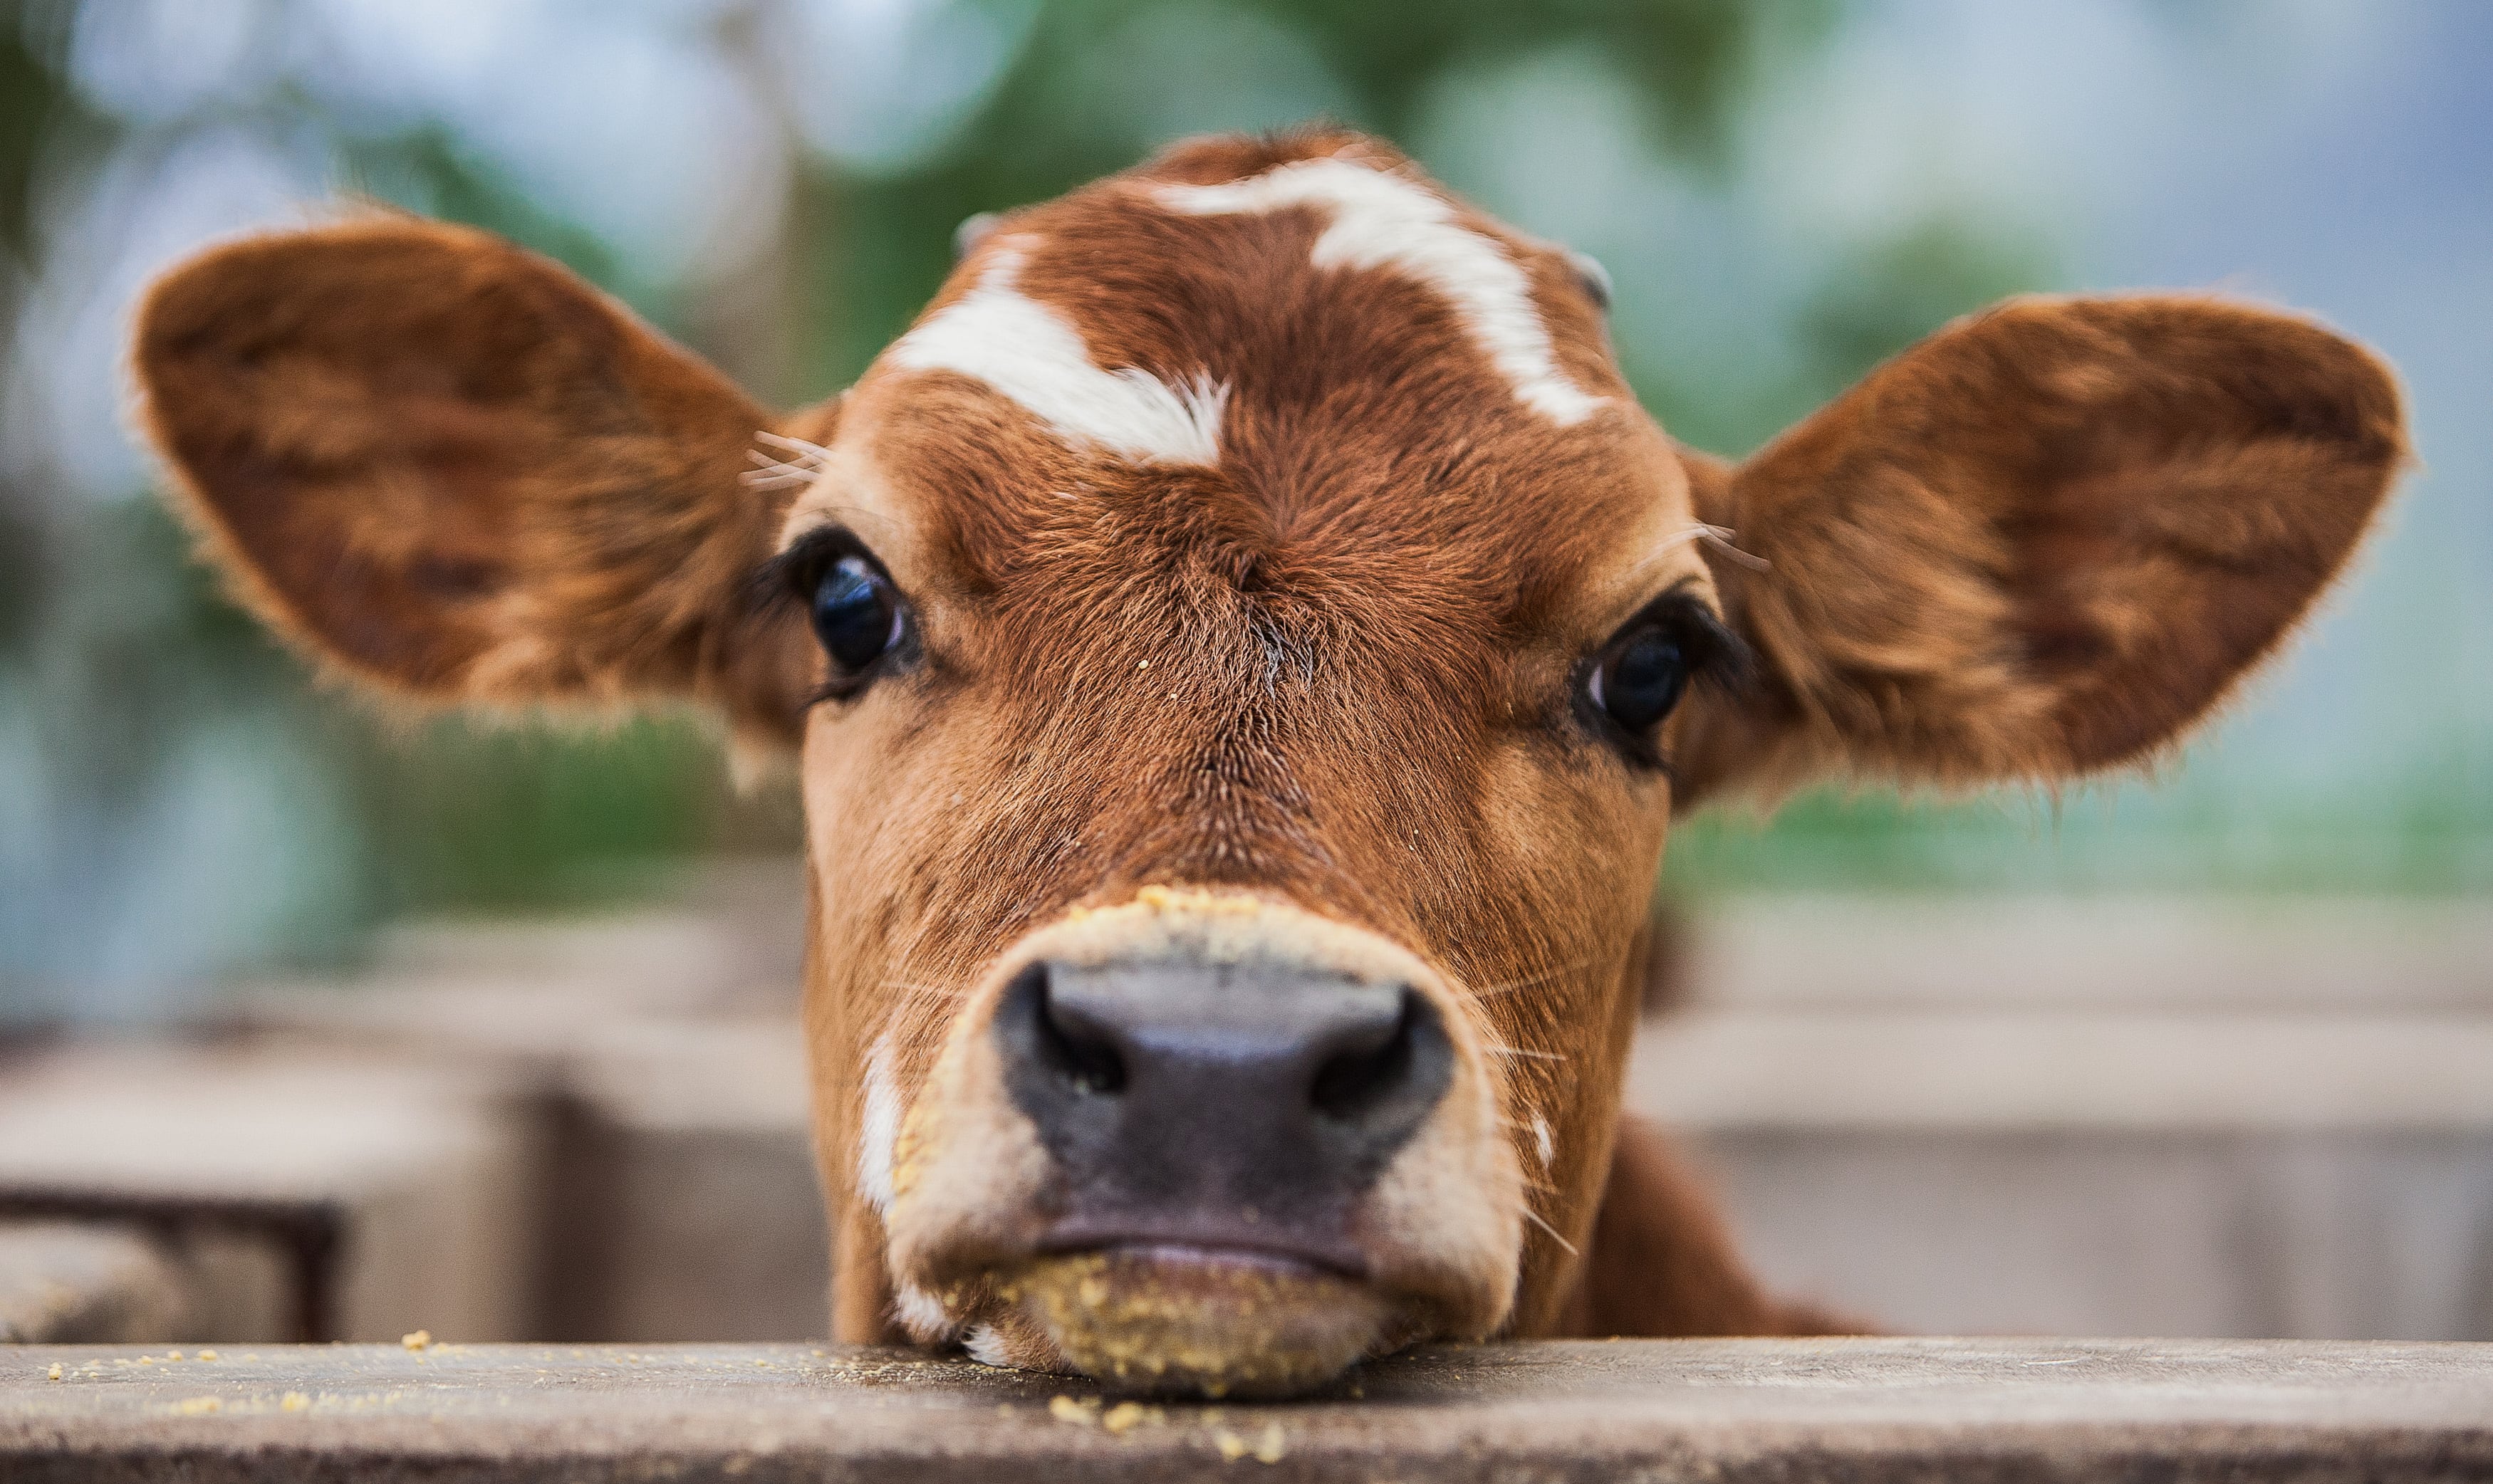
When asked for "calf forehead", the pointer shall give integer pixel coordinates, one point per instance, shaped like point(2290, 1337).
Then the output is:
point(1320, 360)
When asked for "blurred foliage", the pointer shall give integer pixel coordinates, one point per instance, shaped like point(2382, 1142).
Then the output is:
point(1904, 288)
point(119, 648)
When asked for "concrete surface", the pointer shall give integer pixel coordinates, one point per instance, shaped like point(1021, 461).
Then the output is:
point(421, 1169)
point(688, 1206)
point(1979, 1071)
point(1720, 1411)
point(74, 1283)
point(676, 1198)
point(2310, 1175)
point(2169, 952)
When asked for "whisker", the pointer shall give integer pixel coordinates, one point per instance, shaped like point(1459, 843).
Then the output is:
point(1719, 537)
point(773, 476)
point(1516, 1051)
point(803, 462)
point(1534, 1217)
point(810, 453)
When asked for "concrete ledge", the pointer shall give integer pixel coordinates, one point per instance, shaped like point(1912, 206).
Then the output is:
point(254, 1164)
point(74, 1283)
point(1723, 1411)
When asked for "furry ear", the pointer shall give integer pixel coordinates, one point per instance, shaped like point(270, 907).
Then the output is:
point(461, 474)
point(2043, 542)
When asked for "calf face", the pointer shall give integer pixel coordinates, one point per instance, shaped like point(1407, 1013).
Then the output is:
point(1244, 646)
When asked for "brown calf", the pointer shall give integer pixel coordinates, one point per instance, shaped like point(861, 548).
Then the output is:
point(1257, 645)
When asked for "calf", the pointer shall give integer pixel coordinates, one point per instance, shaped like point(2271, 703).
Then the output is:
point(1242, 648)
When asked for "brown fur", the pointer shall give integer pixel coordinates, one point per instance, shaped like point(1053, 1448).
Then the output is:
point(2047, 540)
point(1338, 670)
point(450, 467)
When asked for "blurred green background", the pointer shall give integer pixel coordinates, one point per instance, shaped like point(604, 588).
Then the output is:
point(1784, 192)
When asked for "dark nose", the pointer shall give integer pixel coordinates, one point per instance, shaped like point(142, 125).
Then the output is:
point(1217, 1104)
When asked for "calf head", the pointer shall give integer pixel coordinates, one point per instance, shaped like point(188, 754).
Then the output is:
point(1243, 647)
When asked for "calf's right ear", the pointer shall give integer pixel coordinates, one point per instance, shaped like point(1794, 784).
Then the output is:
point(2043, 543)
point(455, 471)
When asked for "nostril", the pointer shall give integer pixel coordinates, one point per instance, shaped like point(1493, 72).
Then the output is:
point(1065, 1043)
point(1361, 1079)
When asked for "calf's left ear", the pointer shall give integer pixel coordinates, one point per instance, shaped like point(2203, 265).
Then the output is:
point(451, 469)
point(2041, 543)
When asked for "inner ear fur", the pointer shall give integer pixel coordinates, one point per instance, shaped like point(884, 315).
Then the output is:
point(454, 470)
point(2043, 542)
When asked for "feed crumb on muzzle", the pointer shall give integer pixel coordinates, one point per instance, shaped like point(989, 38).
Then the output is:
point(1144, 1321)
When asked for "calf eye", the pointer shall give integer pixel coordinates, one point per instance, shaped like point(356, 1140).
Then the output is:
point(1641, 678)
point(856, 615)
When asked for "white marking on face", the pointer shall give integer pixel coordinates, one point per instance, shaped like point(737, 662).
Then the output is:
point(921, 1314)
point(881, 1131)
point(986, 1347)
point(1383, 221)
point(1541, 1144)
point(1029, 353)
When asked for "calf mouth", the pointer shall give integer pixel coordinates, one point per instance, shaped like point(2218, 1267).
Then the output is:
point(1205, 1144)
point(1216, 1321)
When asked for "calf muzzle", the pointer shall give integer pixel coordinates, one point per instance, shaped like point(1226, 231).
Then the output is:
point(1235, 1109)
point(1202, 1142)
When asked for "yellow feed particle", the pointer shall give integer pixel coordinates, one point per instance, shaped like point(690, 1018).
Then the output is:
point(417, 1339)
point(1232, 1446)
point(294, 1401)
point(1065, 1408)
point(207, 1354)
point(198, 1404)
point(1268, 1448)
point(1125, 1417)
point(54, 1374)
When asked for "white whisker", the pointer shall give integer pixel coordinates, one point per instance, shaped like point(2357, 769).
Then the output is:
point(810, 453)
point(803, 462)
point(1534, 1217)
point(769, 473)
point(1719, 537)
point(1509, 985)
point(1496, 1050)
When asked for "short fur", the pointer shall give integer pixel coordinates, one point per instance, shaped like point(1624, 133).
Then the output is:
point(1338, 670)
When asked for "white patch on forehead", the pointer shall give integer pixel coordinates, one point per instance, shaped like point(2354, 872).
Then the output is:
point(881, 1131)
point(1383, 221)
point(1031, 355)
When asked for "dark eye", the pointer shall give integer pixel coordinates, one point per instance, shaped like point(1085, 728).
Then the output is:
point(1641, 679)
point(856, 615)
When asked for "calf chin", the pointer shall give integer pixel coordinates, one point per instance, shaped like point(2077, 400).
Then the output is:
point(1195, 1323)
